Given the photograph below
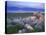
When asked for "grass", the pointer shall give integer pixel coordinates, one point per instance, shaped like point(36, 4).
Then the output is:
point(14, 29)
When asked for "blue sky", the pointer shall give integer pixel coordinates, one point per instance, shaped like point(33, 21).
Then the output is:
point(13, 7)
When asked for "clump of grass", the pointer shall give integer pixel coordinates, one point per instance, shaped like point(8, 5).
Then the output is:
point(14, 29)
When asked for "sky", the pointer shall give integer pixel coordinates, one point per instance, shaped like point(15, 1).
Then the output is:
point(13, 7)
